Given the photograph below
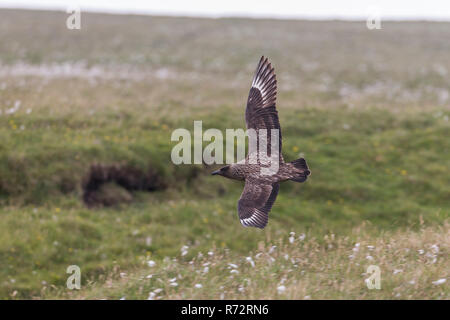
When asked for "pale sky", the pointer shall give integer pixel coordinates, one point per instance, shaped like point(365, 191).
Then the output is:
point(310, 9)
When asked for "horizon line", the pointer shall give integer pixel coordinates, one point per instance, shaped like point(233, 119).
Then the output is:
point(238, 15)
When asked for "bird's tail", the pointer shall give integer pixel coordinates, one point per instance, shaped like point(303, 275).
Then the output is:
point(300, 171)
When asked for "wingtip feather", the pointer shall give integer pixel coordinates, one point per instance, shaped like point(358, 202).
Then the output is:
point(265, 80)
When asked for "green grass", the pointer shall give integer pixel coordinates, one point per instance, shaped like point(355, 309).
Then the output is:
point(372, 126)
point(291, 267)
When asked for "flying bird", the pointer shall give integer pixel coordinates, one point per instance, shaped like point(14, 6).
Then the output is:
point(261, 188)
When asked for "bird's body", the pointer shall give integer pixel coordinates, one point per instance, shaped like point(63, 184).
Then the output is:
point(242, 171)
point(261, 179)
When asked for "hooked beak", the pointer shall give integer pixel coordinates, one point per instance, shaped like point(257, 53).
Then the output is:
point(215, 172)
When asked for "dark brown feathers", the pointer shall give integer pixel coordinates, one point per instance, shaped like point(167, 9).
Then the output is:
point(300, 171)
point(255, 203)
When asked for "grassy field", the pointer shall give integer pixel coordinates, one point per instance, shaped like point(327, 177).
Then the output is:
point(368, 109)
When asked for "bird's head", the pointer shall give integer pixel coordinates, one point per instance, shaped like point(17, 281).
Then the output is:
point(224, 171)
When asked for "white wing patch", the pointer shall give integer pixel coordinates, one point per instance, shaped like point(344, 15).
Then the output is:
point(257, 219)
point(260, 85)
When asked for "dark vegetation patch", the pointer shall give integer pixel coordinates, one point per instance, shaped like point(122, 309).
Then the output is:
point(109, 185)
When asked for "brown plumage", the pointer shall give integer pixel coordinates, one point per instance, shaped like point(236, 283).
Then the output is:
point(261, 190)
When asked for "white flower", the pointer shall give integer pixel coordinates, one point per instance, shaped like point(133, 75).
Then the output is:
point(151, 263)
point(174, 284)
point(158, 290)
point(291, 239)
point(370, 258)
point(250, 260)
point(173, 279)
point(421, 251)
point(198, 286)
point(307, 298)
point(397, 271)
point(272, 249)
point(302, 237)
point(151, 296)
point(232, 265)
point(234, 271)
point(370, 248)
point(435, 248)
point(210, 253)
point(281, 289)
point(258, 255)
point(206, 270)
point(123, 298)
point(123, 275)
point(440, 281)
point(184, 250)
point(149, 276)
point(286, 256)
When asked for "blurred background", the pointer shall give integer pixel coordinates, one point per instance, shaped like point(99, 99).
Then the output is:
point(321, 9)
point(86, 179)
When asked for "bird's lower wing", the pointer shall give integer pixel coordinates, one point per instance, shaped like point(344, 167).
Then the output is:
point(255, 203)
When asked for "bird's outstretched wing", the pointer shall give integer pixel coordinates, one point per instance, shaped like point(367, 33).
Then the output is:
point(255, 203)
point(261, 112)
